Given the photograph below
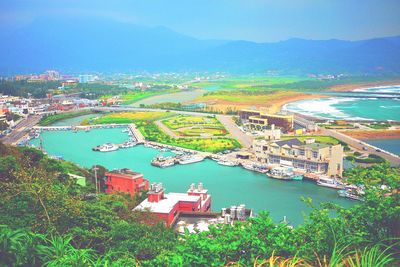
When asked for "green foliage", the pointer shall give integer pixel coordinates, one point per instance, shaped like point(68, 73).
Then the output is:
point(47, 220)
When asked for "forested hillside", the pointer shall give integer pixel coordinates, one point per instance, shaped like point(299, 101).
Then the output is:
point(47, 219)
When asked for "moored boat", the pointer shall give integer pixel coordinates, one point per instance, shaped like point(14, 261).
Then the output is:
point(227, 163)
point(163, 162)
point(190, 159)
point(284, 173)
point(330, 182)
point(108, 147)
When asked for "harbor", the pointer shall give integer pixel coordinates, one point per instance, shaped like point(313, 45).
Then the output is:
point(226, 184)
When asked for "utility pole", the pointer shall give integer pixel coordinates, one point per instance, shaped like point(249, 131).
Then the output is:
point(95, 168)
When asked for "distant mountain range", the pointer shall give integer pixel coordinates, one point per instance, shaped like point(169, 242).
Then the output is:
point(101, 45)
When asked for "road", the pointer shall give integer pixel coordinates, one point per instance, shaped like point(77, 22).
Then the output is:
point(359, 145)
point(234, 130)
point(21, 129)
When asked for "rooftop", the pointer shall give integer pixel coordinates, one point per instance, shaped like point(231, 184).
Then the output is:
point(167, 203)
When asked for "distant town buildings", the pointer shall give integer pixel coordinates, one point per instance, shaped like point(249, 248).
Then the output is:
point(308, 156)
point(87, 78)
point(261, 120)
point(125, 181)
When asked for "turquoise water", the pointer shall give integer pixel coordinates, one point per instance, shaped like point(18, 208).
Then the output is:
point(227, 185)
point(391, 145)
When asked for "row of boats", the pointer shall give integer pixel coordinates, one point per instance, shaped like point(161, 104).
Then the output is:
point(163, 162)
point(108, 147)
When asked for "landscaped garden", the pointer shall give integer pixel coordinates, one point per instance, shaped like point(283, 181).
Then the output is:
point(129, 117)
point(152, 133)
point(193, 126)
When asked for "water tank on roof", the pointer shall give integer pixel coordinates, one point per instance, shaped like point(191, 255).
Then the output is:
point(200, 187)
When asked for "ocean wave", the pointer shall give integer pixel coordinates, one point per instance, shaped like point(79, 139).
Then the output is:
point(380, 89)
point(323, 107)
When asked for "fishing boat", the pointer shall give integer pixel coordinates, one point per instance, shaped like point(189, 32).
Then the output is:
point(190, 159)
point(330, 182)
point(127, 144)
point(284, 173)
point(227, 163)
point(352, 192)
point(255, 168)
point(163, 162)
point(108, 147)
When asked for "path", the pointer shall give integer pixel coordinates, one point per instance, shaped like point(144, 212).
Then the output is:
point(166, 130)
point(235, 131)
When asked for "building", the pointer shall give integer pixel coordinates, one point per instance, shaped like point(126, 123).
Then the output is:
point(260, 119)
point(272, 133)
point(168, 206)
point(87, 78)
point(309, 156)
point(126, 181)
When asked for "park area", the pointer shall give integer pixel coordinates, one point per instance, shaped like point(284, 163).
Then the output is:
point(195, 126)
point(152, 132)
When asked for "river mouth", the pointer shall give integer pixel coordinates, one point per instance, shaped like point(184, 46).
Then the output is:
point(227, 185)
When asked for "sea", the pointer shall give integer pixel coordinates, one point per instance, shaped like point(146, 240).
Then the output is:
point(360, 104)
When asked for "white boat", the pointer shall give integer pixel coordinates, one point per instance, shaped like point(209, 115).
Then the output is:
point(108, 147)
point(255, 168)
point(227, 163)
point(190, 159)
point(352, 192)
point(163, 162)
point(284, 173)
point(330, 182)
point(127, 144)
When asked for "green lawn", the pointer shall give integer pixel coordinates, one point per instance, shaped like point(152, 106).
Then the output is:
point(323, 139)
point(152, 133)
point(184, 125)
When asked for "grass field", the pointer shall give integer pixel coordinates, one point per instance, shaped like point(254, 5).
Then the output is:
point(152, 133)
point(323, 139)
point(184, 125)
point(129, 117)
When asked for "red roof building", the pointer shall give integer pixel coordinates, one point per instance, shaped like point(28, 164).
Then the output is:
point(168, 206)
point(126, 181)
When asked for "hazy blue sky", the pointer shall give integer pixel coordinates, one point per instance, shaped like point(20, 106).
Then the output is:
point(257, 20)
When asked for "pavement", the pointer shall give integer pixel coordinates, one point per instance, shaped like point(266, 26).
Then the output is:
point(21, 129)
point(235, 131)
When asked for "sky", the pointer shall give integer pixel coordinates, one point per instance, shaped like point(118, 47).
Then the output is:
point(253, 20)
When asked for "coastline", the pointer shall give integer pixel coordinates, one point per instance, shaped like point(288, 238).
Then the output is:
point(373, 134)
point(353, 86)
